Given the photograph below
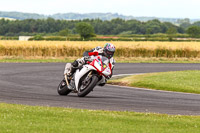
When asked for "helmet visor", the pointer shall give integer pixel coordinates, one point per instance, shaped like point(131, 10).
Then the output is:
point(109, 54)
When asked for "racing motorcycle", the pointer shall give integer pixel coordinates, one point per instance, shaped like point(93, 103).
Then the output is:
point(86, 77)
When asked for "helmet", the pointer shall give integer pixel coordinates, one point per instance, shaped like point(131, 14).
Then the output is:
point(109, 50)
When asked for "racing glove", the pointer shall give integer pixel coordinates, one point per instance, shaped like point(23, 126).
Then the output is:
point(81, 61)
point(87, 58)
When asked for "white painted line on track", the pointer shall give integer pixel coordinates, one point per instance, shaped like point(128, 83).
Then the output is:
point(118, 75)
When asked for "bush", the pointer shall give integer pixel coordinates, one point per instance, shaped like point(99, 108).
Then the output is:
point(55, 39)
point(37, 37)
point(9, 38)
point(64, 32)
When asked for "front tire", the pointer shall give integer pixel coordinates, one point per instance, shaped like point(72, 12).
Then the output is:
point(89, 88)
point(62, 88)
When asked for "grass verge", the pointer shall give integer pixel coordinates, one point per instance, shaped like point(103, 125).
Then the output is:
point(179, 81)
point(118, 59)
point(21, 118)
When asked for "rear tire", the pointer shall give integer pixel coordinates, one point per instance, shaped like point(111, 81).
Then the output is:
point(89, 88)
point(62, 88)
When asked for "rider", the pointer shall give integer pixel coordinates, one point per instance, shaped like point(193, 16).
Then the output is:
point(108, 51)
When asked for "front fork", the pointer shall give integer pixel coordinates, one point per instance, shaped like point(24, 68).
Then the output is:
point(85, 81)
point(69, 86)
point(66, 80)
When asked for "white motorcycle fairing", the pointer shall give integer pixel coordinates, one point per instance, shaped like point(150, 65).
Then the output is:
point(95, 71)
point(79, 74)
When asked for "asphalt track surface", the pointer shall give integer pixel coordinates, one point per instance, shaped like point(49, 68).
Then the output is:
point(36, 84)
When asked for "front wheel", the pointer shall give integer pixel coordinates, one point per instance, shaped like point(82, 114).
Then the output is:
point(84, 90)
point(62, 88)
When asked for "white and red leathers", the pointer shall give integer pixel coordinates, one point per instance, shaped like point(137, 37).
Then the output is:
point(88, 56)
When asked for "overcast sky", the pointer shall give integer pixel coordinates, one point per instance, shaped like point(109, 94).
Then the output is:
point(150, 8)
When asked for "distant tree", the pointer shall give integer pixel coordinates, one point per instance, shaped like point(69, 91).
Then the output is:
point(148, 32)
point(116, 26)
point(194, 31)
point(171, 32)
point(197, 23)
point(185, 25)
point(117, 21)
point(181, 30)
point(85, 30)
point(64, 32)
point(134, 26)
point(153, 26)
point(181, 21)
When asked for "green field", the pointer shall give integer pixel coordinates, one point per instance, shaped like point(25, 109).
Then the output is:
point(35, 119)
point(118, 60)
point(180, 81)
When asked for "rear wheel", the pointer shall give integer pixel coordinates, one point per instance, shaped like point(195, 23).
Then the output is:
point(62, 88)
point(87, 86)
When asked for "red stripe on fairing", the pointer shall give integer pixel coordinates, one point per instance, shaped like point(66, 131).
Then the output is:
point(92, 64)
point(100, 72)
point(93, 53)
point(110, 65)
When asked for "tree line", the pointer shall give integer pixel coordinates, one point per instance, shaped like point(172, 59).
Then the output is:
point(113, 27)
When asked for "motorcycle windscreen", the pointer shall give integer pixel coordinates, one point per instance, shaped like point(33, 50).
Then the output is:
point(97, 64)
point(106, 68)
